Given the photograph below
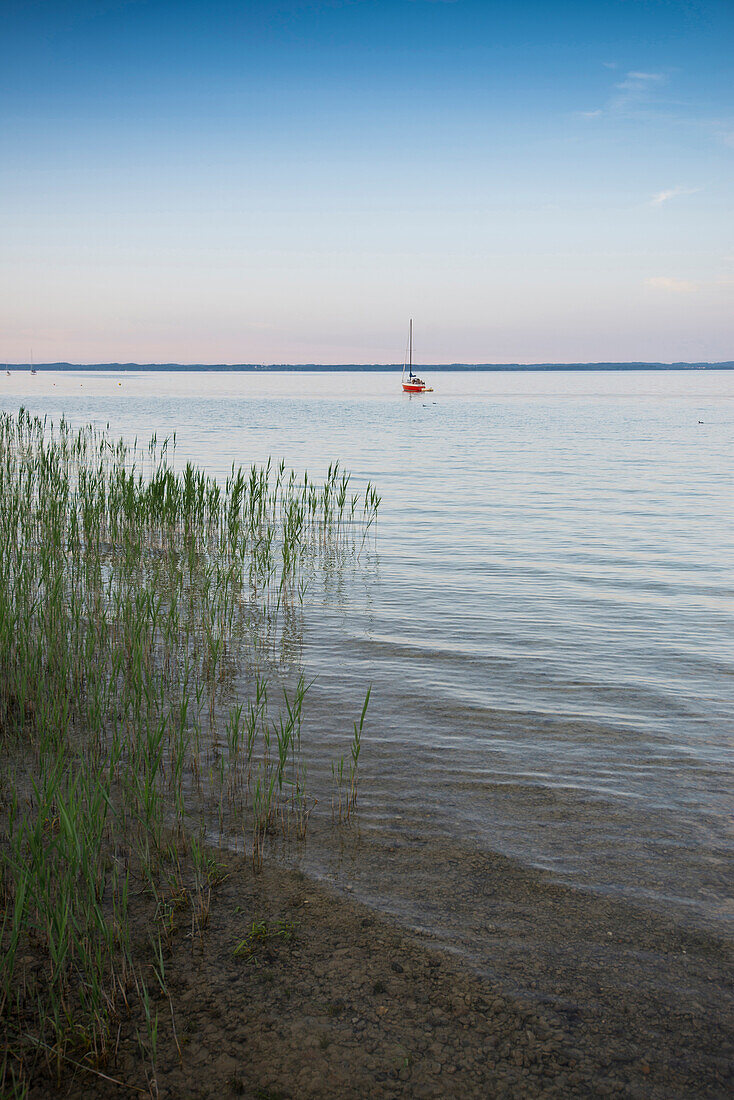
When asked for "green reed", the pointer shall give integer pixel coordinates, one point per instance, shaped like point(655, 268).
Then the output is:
point(135, 602)
point(345, 772)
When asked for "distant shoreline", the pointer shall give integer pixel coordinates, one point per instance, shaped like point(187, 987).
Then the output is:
point(384, 368)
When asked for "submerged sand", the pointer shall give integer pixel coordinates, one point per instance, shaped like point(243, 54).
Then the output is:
point(326, 999)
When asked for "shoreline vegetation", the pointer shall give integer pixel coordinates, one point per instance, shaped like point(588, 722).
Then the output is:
point(370, 368)
point(140, 612)
point(145, 732)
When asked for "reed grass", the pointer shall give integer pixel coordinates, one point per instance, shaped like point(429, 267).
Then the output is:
point(135, 601)
point(345, 772)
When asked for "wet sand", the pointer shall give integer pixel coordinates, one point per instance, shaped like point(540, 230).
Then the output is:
point(586, 997)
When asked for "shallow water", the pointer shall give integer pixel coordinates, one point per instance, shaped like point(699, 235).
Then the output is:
point(546, 611)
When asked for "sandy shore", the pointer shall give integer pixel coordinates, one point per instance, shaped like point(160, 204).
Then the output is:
point(296, 992)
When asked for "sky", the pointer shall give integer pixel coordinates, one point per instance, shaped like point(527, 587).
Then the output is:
point(291, 181)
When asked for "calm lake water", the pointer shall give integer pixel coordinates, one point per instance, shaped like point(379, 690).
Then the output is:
point(546, 612)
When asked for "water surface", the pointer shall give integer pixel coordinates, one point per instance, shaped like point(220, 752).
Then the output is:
point(546, 612)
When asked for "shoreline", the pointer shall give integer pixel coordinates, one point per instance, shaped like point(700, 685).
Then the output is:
point(369, 368)
point(329, 999)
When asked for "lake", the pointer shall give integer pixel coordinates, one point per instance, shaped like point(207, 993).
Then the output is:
point(545, 612)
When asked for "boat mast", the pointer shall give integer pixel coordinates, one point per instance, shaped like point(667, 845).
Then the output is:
point(411, 348)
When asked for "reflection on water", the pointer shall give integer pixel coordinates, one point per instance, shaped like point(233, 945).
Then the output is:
point(546, 615)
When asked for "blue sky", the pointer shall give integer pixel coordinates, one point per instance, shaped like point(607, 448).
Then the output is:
point(290, 181)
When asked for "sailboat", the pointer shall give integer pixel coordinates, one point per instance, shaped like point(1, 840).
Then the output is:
point(411, 382)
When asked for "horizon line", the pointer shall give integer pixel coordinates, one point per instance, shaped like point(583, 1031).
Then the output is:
point(379, 367)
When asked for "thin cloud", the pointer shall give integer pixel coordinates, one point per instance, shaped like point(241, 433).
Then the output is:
point(669, 284)
point(632, 94)
point(721, 129)
point(645, 95)
point(639, 83)
point(672, 193)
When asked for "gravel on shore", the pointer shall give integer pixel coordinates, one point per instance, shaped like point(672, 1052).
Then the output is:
point(294, 992)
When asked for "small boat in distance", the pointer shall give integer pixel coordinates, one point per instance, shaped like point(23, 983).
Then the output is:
point(411, 382)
